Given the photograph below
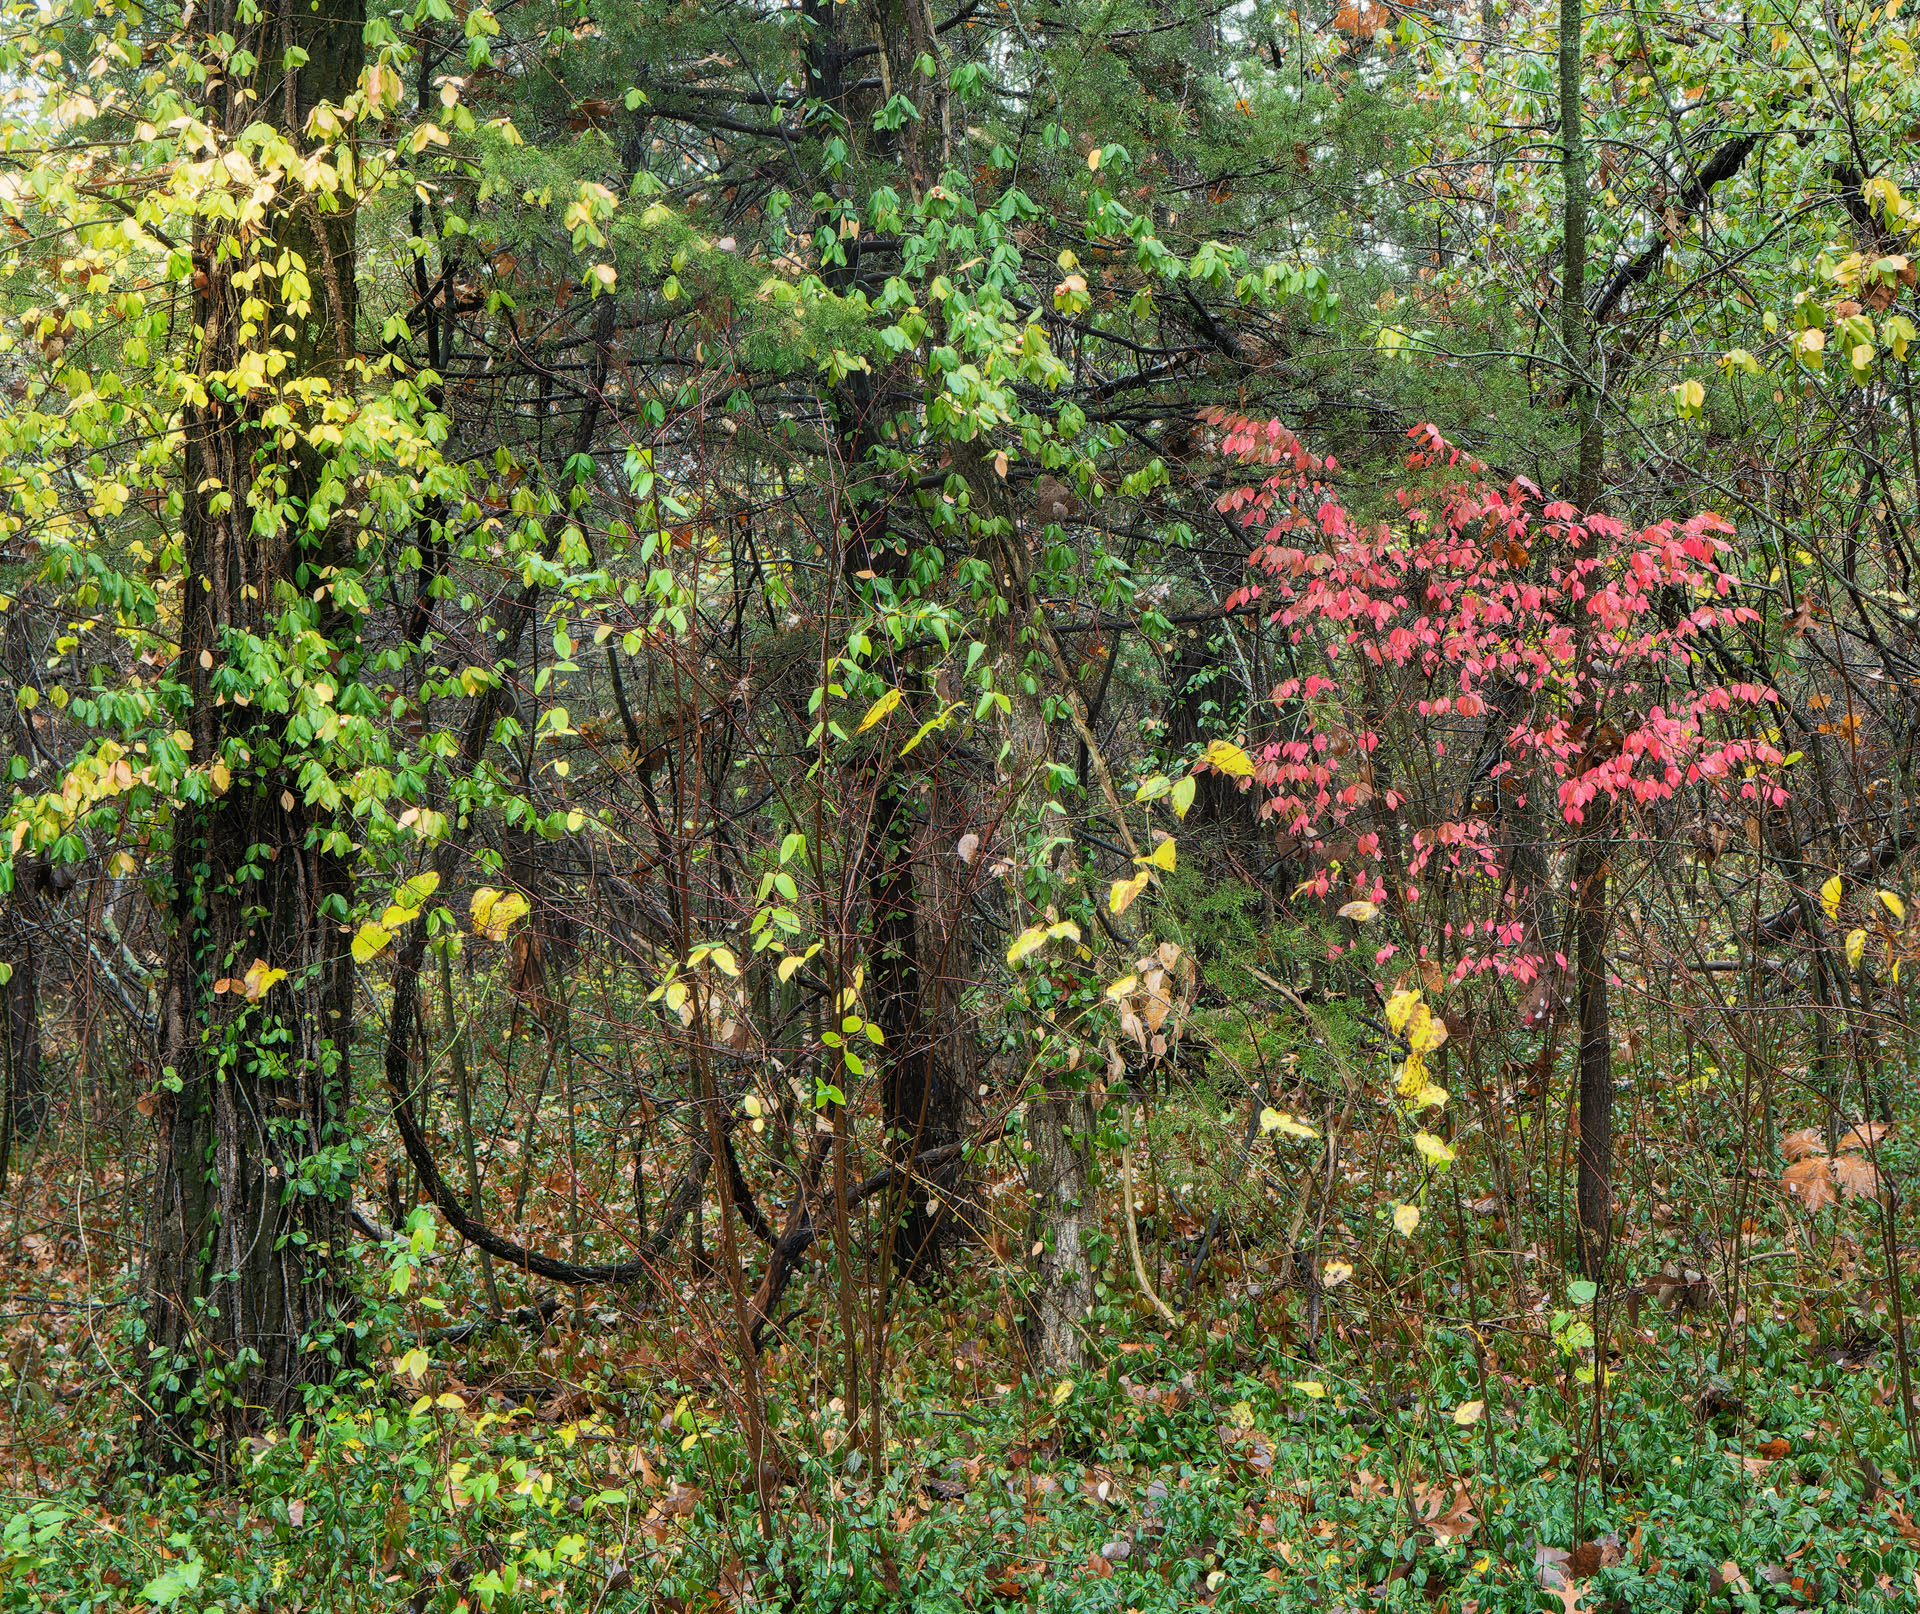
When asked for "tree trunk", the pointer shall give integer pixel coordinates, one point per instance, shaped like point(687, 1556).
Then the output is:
point(26, 1084)
point(251, 1191)
point(1595, 1192)
point(1576, 328)
point(1060, 1125)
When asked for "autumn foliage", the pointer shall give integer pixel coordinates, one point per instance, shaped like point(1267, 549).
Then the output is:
point(1481, 660)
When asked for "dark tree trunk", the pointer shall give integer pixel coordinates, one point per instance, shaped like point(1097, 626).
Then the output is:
point(1576, 326)
point(251, 1192)
point(920, 970)
point(1595, 1192)
point(26, 1085)
point(1205, 702)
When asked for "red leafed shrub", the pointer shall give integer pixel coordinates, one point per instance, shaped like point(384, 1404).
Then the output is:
point(1484, 666)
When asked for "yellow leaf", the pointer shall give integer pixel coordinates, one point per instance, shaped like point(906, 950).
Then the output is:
point(222, 776)
point(1120, 898)
point(259, 979)
point(449, 1401)
point(1359, 912)
point(1830, 895)
point(1413, 1074)
point(1229, 758)
point(1163, 856)
point(1893, 905)
point(1856, 946)
point(1335, 1273)
point(370, 940)
point(879, 709)
point(1066, 928)
point(1312, 1389)
point(1400, 1008)
point(725, 961)
point(1093, 161)
point(790, 966)
point(1062, 1393)
point(1468, 1413)
point(1272, 1120)
point(1433, 1148)
point(1028, 941)
point(1405, 1219)
point(495, 911)
point(1182, 797)
point(1122, 987)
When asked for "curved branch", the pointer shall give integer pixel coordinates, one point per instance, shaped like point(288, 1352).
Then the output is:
point(1723, 164)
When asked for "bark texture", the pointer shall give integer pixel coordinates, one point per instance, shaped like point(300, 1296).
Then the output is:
point(251, 1195)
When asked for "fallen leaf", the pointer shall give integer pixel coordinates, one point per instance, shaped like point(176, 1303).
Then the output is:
point(1864, 1136)
point(1550, 1568)
point(1728, 1578)
point(1856, 1176)
point(1798, 1145)
point(1808, 1181)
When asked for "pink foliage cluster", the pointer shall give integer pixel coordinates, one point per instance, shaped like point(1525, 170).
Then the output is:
point(1562, 649)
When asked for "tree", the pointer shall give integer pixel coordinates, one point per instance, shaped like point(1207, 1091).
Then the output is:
point(1565, 649)
point(250, 1201)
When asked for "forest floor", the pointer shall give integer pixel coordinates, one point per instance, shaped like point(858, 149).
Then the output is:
point(1407, 1442)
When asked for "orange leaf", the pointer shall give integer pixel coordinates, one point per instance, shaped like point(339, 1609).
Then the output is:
point(1865, 1136)
point(1798, 1145)
point(1808, 1182)
point(1856, 1176)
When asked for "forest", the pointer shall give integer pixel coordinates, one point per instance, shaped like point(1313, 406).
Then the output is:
point(1096, 806)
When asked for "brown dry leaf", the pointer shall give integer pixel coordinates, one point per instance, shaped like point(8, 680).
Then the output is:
point(1728, 1578)
point(1808, 1181)
point(1856, 1176)
point(1457, 1523)
point(1798, 1145)
point(1864, 1137)
point(1903, 1522)
point(1570, 1595)
point(1550, 1567)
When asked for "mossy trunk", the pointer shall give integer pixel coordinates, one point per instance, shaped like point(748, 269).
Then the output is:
point(244, 1306)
